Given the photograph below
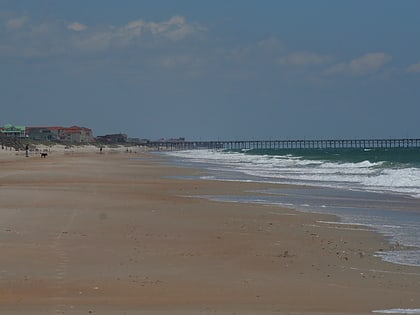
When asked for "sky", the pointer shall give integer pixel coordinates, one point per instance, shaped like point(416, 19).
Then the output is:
point(215, 69)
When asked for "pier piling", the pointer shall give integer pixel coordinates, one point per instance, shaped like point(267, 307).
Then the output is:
point(286, 144)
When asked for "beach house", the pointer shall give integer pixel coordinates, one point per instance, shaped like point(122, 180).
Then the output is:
point(73, 134)
point(13, 131)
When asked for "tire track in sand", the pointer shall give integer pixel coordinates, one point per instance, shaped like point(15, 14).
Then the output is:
point(60, 273)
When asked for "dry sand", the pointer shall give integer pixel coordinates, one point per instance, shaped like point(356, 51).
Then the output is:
point(90, 233)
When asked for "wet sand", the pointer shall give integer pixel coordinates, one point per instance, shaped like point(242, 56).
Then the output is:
point(114, 233)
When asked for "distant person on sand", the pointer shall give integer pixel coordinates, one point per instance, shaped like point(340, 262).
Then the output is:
point(27, 150)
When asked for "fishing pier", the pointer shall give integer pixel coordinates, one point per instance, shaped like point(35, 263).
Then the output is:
point(284, 144)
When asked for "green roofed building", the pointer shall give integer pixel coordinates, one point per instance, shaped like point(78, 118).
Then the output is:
point(14, 131)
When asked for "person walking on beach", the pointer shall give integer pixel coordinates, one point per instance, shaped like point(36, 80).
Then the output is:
point(27, 150)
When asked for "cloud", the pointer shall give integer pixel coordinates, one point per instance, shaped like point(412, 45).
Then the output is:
point(76, 26)
point(414, 68)
point(271, 44)
point(176, 28)
point(303, 59)
point(137, 32)
point(23, 36)
point(16, 23)
point(52, 37)
point(264, 51)
point(364, 65)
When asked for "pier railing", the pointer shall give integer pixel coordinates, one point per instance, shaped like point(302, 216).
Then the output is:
point(286, 144)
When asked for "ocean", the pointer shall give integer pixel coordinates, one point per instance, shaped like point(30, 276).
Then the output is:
point(377, 188)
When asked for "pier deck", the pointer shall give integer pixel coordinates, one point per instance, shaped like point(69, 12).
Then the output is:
point(286, 144)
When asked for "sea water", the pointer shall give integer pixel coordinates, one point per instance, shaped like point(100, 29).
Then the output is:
point(378, 188)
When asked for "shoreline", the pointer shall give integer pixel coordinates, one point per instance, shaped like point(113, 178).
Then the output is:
point(112, 234)
point(395, 246)
point(357, 205)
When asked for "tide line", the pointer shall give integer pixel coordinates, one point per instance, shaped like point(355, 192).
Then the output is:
point(399, 311)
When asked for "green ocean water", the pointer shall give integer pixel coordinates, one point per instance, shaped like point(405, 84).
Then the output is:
point(390, 157)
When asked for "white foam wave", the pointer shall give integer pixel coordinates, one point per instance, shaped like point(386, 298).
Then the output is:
point(399, 311)
point(364, 175)
point(402, 257)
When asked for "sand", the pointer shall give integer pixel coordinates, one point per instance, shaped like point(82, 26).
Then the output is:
point(117, 233)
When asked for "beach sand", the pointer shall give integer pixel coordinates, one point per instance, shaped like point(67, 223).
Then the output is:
point(117, 233)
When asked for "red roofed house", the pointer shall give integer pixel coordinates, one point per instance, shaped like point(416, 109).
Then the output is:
point(76, 134)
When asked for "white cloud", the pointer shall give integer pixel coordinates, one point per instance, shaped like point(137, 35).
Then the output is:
point(264, 51)
point(176, 28)
point(270, 44)
point(369, 63)
point(16, 23)
point(76, 26)
point(95, 41)
point(136, 32)
point(135, 24)
point(364, 65)
point(303, 59)
point(414, 68)
point(49, 37)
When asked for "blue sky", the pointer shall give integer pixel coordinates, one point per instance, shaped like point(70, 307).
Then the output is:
point(213, 69)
